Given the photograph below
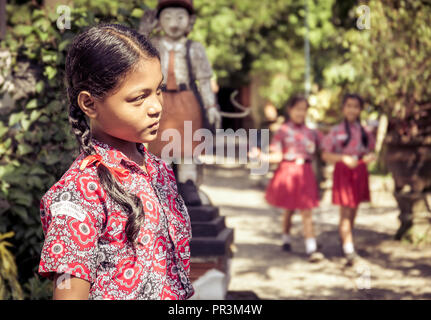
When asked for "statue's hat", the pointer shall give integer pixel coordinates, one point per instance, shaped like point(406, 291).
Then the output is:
point(186, 4)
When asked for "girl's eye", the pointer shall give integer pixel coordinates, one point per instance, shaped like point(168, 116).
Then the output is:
point(140, 98)
point(161, 88)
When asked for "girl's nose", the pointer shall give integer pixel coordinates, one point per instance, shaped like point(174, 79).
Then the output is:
point(155, 109)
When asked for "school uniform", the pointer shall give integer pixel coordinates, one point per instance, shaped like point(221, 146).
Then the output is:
point(294, 185)
point(85, 230)
point(350, 186)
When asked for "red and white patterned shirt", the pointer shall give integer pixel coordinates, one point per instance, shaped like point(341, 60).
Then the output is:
point(85, 231)
point(333, 141)
point(295, 141)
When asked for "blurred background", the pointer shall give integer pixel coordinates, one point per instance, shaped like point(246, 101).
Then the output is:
point(267, 51)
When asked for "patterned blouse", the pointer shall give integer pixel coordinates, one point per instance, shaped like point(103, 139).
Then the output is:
point(85, 231)
point(333, 141)
point(295, 141)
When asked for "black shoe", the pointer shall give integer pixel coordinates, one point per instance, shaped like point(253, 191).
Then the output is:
point(315, 256)
point(287, 247)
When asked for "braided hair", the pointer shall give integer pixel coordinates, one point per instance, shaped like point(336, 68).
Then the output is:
point(364, 136)
point(98, 61)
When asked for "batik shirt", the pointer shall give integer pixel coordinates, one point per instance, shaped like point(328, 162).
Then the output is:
point(333, 141)
point(295, 141)
point(85, 231)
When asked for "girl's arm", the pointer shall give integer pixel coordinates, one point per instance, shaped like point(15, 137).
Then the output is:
point(68, 287)
point(349, 161)
point(369, 157)
point(272, 157)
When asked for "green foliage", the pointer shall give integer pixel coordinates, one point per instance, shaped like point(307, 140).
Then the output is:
point(264, 40)
point(390, 64)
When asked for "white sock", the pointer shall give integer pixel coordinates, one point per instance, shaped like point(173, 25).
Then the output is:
point(348, 248)
point(310, 245)
point(286, 238)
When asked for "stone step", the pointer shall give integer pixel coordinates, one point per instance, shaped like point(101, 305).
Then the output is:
point(212, 246)
point(208, 228)
point(203, 213)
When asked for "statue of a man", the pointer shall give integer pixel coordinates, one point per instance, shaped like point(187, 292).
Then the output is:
point(187, 78)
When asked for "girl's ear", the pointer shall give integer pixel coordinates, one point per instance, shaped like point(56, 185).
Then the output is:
point(87, 104)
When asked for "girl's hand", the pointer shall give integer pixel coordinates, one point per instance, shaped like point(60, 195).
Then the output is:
point(370, 157)
point(254, 153)
point(349, 161)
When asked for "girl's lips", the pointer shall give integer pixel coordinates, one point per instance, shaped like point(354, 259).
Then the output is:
point(154, 126)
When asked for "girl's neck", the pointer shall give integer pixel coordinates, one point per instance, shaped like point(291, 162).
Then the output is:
point(351, 121)
point(296, 124)
point(128, 148)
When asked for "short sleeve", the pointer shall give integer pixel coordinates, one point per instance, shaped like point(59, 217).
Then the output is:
point(328, 141)
point(71, 222)
point(276, 144)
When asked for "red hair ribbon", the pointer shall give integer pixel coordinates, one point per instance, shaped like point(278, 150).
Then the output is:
point(97, 158)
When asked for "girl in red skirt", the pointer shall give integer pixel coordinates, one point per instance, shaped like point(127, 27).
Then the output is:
point(293, 186)
point(349, 146)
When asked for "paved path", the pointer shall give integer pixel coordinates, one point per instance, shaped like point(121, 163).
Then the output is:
point(388, 270)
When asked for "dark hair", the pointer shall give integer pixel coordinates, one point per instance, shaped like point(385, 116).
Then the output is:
point(97, 61)
point(293, 100)
point(364, 136)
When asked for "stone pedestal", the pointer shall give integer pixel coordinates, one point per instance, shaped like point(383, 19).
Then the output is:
point(415, 217)
point(211, 243)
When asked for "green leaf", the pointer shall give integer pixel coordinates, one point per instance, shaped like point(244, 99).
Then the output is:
point(35, 114)
point(50, 72)
point(3, 130)
point(44, 119)
point(25, 124)
point(22, 30)
point(15, 118)
point(24, 149)
point(37, 170)
point(40, 85)
point(22, 198)
point(31, 104)
point(20, 212)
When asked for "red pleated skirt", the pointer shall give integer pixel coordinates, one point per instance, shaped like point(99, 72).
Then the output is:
point(293, 186)
point(350, 186)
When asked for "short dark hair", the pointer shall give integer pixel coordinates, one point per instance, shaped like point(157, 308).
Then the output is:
point(353, 96)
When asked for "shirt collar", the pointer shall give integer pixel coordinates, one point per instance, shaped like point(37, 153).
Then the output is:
point(294, 125)
point(355, 125)
point(116, 158)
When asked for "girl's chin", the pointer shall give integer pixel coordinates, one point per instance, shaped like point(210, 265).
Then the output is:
point(350, 119)
point(298, 121)
point(151, 136)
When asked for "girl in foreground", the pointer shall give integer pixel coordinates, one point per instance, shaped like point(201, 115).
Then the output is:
point(115, 226)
